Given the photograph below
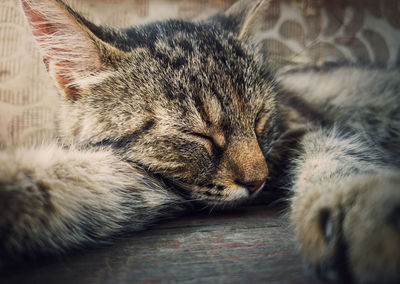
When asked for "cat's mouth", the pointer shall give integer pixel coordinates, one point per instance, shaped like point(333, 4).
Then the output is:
point(231, 196)
point(203, 197)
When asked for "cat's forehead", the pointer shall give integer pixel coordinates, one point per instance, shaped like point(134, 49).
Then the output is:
point(197, 75)
point(212, 88)
point(199, 60)
point(212, 98)
point(195, 47)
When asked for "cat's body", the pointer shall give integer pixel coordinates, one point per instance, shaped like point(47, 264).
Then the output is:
point(160, 119)
point(348, 172)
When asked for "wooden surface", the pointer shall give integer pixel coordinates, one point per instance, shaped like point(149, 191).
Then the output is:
point(251, 245)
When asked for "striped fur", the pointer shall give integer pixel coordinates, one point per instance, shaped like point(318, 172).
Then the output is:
point(161, 119)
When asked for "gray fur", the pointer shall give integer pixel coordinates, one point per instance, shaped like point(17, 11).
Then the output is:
point(161, 118)
point(346, 173)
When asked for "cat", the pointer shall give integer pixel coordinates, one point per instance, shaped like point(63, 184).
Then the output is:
point(162, 119)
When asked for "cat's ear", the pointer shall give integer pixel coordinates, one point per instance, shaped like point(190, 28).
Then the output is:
point(74, 56)
point(244, 17)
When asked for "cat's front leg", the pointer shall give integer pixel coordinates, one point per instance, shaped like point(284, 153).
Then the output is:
point(345, 209)
point(54, 199)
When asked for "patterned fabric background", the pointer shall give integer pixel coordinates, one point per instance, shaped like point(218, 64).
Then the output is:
point(294, 31)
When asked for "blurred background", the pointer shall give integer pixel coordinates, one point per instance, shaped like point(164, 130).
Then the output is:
point(293, 32)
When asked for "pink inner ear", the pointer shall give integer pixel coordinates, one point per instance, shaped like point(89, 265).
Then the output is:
point(37, 20)
point(41, 28)
point(69, 53)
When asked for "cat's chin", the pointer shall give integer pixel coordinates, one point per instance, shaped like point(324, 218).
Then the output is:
point(225, 204)
point(239, 197)
point(236, 197)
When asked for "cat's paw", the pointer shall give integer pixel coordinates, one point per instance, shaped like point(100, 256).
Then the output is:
point(350, 231)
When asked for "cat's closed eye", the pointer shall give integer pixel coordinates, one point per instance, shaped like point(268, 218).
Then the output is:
point(203, 136)
point(215, 142)
point(207, 140)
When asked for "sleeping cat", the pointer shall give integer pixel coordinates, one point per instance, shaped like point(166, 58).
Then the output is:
point(162, 119)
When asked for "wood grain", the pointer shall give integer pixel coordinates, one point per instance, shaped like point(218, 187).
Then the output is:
point(250, 245)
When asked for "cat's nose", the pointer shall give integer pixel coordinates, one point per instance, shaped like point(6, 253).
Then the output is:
point(251, 186)
point(246, 164)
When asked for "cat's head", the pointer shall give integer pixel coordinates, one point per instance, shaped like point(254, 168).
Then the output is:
point(189, 102)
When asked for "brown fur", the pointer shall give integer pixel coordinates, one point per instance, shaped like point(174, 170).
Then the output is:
point(159, 119)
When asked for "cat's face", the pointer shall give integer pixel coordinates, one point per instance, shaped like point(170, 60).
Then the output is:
point(186, 102)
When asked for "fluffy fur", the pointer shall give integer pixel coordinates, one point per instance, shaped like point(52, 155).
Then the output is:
point(160, 119)
point(345, 179)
